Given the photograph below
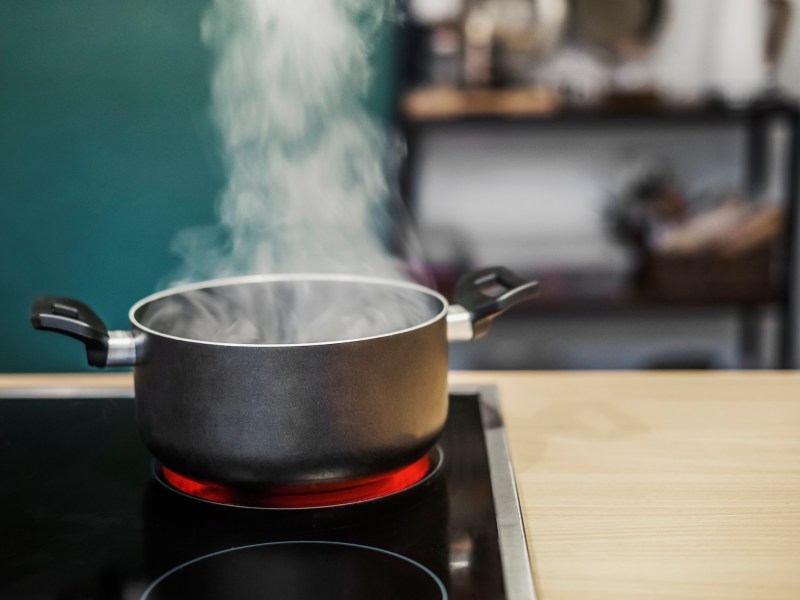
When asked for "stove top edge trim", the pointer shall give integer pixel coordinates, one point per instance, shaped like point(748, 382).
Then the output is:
point(67, 393)
point(517, 574)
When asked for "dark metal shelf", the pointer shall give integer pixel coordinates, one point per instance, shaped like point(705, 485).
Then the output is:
point(756, 117)
point(615, 114)
point(632, 302)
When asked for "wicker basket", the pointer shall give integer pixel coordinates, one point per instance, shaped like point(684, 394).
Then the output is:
point(749, 277)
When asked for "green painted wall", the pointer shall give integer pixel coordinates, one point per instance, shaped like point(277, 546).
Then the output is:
point(106, 152)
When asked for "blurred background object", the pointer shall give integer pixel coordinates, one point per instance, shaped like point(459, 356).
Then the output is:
point(687, 49)
point(625, 29)
point(513, 33)
point(718, 249)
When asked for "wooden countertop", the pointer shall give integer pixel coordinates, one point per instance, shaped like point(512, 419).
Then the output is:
point(643, 485)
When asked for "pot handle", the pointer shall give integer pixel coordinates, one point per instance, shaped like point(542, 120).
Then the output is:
point(73, 318)
point(481, 296)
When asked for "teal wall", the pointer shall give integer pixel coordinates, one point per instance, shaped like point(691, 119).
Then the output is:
point(106, 151)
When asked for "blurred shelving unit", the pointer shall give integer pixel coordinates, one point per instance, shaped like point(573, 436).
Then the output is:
point(427, 108)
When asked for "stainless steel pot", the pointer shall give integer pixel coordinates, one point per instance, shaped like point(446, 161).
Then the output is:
point(288, 413)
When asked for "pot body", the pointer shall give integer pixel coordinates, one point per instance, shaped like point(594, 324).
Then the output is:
point(291, 414)
point(289, 379)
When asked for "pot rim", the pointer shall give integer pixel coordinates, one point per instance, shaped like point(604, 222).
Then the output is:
point(275, 277)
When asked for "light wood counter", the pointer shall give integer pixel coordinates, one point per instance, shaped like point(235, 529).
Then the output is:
point(642, 485)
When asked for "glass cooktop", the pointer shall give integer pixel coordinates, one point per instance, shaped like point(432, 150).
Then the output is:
point(82, 516)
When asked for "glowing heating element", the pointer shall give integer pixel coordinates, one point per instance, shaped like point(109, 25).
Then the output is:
point(305, 496)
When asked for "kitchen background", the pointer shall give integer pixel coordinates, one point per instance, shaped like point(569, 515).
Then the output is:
point(611, 148)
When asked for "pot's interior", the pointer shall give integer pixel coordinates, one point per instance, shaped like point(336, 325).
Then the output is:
point(289, 311)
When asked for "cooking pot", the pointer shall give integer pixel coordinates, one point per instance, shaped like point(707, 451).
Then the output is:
point(282, 408)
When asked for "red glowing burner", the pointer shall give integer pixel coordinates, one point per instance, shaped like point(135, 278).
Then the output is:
point(305, 496)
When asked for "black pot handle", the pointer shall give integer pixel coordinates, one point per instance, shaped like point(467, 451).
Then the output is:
point(489, 292)
point(75, 319)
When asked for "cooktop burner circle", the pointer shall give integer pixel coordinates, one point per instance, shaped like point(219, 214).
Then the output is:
point(294, 570)
point(345, 495)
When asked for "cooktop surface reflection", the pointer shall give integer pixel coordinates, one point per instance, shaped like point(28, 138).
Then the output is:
point(83, 517)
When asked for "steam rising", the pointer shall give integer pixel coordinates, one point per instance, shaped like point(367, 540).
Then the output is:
point(307, 189)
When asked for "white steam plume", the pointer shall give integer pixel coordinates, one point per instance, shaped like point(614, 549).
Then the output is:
point(307, 182)
point(308, 189)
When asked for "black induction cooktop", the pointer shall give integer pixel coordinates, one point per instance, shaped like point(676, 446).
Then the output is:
point(84, 515)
